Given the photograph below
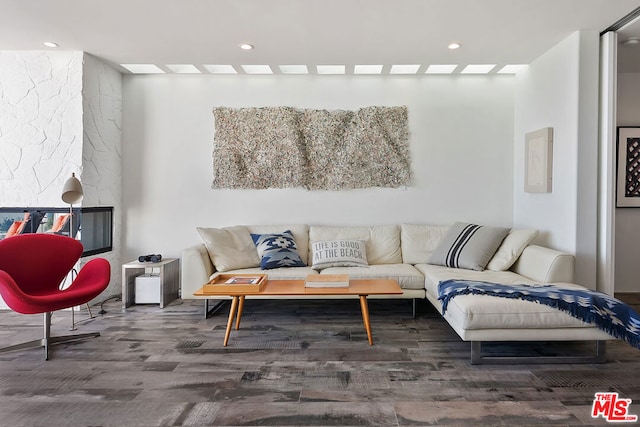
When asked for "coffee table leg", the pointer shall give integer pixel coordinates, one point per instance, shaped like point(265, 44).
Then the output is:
point(232, 312)
point(365, 317)
point(240, 307)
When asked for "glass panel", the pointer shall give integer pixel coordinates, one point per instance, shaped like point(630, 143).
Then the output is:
point(93, 226)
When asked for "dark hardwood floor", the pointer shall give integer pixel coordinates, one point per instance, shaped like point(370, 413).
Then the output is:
point(291, 363)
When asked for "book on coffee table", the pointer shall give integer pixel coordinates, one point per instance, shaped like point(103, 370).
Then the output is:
point(327, 281)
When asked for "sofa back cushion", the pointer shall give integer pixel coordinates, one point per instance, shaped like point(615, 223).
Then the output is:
point(300, 235)
point(418, 241)
point(230, 248)
point(382, 242)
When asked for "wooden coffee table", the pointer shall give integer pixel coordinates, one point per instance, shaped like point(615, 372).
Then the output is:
point(293, 288)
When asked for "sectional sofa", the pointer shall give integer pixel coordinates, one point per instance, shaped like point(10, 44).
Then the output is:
point(406, 253)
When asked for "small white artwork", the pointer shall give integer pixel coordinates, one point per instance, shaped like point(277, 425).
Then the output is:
point(538, 154)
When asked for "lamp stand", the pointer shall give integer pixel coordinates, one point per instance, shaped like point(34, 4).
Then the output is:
point(72, 193)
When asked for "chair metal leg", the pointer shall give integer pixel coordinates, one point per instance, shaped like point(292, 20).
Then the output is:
point(47, 339)
point(47, 334)
point(73, 319)
point(89, 310)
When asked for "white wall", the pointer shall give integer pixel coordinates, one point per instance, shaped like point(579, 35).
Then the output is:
point(102, 152)
point(40, 125)
point(627, 267)
point(560, 90)
point(461, 141)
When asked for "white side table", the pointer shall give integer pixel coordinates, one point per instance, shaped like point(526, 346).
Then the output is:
point(169, 279)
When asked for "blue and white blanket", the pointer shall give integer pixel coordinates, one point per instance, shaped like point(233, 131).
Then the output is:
point(607, 313)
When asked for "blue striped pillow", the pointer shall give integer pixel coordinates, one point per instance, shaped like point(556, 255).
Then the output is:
point(469, 246)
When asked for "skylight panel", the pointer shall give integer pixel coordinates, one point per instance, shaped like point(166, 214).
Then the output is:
point(367, 69)
point(404, 69)
point(478, 69)
point(257, 69)
point(441, 68)
point(330, 69)
point(221, 69)
point(143, 68)
point(183, 68)
point(294, 69)
point(512, 69)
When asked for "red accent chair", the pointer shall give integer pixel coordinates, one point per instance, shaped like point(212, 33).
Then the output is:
point(32, 268)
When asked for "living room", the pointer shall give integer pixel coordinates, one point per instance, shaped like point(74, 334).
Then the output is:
point(143, 143)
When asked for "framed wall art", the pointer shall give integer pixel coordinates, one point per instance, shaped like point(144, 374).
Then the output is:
point(538, 161)
point(628, 182)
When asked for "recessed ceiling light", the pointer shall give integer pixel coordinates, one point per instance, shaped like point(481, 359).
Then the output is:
point(631, 41)
point(294, 69)
point(221, 69)
point(50, 44)
point(246, 46)
point(330, 69)
point(441, 69)
point(257, 69)
point(454, 46)
point(183, 68)
point(143, 68)
point(478, 69)
point(367, 69)
point(404, 69)
point(512, 69)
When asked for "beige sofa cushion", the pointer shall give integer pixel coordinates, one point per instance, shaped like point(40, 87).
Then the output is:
point(230, 247)
point(418, 241)
point(434, 274)
point(487, 312)
point(382, 242)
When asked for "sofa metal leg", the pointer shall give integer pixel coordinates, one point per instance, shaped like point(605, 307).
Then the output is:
point(208, 312)
point(477, 358)
point(414, 307)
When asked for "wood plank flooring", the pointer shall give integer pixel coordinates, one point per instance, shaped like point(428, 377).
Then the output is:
point(291, 363)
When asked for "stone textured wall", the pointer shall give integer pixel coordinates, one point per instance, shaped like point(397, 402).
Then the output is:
point(101, 151)
point(40, 125)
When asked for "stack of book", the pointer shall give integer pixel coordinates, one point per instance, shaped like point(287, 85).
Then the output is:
point(327, 281)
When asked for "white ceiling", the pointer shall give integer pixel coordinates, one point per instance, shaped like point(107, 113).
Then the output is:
point(309, 32)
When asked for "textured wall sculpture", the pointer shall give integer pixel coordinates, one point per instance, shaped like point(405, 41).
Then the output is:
point(282, 147)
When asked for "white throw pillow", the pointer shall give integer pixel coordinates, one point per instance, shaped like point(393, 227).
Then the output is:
point(230, 248)
point(338, 253)
point(511, 249)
